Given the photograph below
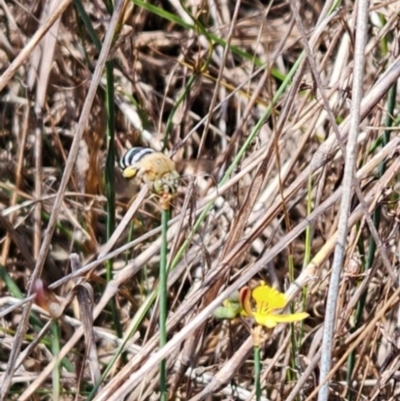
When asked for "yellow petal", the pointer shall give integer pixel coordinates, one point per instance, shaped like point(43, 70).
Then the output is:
point(293, 317)
point(269, 296)
point(266, 320)
point(272, 320)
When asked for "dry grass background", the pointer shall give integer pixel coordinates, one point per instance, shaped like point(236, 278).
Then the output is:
point(250, 116)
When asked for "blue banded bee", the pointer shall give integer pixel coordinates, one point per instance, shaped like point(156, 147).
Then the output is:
point(154, 168)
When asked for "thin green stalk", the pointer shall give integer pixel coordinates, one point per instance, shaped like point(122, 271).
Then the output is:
point(372, 245)
point(181, 98)
point(352, 357)
point(191, 81)
point(307, 254)
point(140, 314)
point(163, 301)
point(110, 161)
point(110, 6)
point(296, 334)
point(293, 349)
point(307, 251)
point(16, 293)
point(257, 372)
point(65, 231)
point(88, 23)
point(131, 236)
point(149, 300)
point(110, 183)
point(55, 347)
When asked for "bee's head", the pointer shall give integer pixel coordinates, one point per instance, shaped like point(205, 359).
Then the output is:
point(129, 163)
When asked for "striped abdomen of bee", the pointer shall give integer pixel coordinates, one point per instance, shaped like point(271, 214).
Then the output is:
point(154, 168)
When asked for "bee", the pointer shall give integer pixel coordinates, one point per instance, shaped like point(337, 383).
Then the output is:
point(154, 168)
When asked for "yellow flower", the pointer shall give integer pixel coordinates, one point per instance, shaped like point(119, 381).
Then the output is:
point(267, 300)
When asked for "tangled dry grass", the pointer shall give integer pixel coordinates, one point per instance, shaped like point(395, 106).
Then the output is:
point(257, 126)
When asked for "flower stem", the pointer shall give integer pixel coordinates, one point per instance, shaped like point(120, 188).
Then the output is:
point(257, 371)
point(163, 301)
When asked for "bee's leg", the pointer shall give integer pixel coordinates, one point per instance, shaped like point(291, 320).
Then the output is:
point(158, 187)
